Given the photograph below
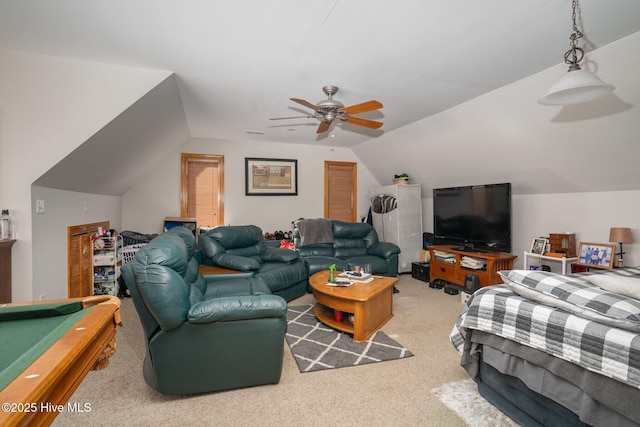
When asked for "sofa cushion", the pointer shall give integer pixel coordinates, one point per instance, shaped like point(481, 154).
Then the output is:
point(277, 275)
point(187, 237)
point(323, 250)
point(240, 236)
point(235, 287)
point(355, 230)
point(319, 263)
point(227, 309)
point(278, 255)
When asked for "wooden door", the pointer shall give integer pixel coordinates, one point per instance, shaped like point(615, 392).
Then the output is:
point(202, 189)
point(340, 191)
point(80, 258)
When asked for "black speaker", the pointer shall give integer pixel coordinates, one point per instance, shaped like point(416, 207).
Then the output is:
point(427, 239)
point(471, 283)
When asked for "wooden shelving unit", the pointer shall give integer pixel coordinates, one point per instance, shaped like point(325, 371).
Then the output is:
point(455, 273)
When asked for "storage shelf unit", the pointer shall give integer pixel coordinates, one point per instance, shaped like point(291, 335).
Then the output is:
point(396, 212)
point(454, 272)
point(107, 260)
point(566, 261)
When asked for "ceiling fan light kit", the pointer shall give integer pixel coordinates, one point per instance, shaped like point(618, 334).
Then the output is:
point(330, 109)
point(577, 85)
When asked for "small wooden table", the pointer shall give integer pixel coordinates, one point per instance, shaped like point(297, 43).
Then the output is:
point(370, 303)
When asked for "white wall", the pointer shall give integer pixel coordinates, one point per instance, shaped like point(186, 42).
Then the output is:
point(49, 106)
point(62, 209)
point(147, 202)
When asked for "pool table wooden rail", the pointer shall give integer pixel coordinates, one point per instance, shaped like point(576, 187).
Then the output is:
point(57, 373)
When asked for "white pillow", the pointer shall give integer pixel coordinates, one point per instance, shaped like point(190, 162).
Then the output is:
point(627, 286)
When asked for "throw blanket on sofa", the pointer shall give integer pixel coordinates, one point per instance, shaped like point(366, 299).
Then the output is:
point(315, 231)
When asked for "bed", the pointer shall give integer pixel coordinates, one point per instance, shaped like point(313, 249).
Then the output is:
point(553, 350)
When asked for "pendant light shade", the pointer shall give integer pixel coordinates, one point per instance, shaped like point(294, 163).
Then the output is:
point(575, 87)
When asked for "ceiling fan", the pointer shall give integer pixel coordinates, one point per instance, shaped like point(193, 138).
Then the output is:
point(330, 109)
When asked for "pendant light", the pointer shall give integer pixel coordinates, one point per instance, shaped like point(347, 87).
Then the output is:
point(577, 85)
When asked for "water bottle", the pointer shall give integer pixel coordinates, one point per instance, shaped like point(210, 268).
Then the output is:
point(5, 225)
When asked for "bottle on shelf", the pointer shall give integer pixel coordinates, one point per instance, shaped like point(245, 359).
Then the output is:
point(5, 225)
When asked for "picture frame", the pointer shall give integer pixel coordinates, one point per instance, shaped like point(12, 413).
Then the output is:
point(271, 177)
point(596, 255)
point(539, 245)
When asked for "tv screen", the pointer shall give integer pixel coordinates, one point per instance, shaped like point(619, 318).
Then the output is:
point(478, 218)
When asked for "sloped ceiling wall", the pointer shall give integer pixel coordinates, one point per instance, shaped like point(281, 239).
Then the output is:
point(506, 136)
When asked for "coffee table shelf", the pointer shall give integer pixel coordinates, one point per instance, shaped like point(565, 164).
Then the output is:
point(325, 315)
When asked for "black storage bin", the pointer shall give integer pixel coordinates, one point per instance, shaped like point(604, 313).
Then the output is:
point(420, 271)
point(134, 238)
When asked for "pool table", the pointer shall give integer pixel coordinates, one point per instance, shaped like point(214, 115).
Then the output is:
point(48, 347)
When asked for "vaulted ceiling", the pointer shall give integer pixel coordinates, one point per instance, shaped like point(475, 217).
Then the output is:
point(238, 62)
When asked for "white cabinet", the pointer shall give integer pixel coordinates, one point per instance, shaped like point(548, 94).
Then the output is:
point(396, 212)
point(107, 260)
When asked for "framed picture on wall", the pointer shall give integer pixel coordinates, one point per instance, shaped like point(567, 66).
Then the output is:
point(271, 177)
point(539, 246)
point(596, 255)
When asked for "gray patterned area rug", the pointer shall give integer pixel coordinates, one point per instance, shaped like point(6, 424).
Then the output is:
point(316, 346)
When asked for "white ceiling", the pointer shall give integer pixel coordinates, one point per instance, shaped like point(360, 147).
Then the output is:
point(238, 62)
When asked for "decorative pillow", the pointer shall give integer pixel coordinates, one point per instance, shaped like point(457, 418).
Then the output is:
point(287, 244)
point(628, 286)
point(576, 295)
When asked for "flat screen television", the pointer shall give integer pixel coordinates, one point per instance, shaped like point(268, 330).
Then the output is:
point(477, 217)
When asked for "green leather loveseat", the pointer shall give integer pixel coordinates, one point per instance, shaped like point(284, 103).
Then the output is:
point(203, 336)
point(322, 242)
point(243, 248)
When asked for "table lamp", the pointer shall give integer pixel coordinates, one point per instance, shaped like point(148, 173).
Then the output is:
point(620, 235)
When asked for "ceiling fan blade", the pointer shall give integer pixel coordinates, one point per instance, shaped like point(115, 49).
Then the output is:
point(293, 117)
point(361, 108)
point(372, 124)
point(324, 126)
point(305, 103)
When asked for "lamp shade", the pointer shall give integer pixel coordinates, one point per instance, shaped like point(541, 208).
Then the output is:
point(575, 87)
point(620, 235)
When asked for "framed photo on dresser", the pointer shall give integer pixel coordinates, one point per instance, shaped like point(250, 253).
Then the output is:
point(539, 245)
point(596, 255)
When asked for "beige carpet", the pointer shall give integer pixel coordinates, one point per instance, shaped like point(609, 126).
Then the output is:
point(393, 393)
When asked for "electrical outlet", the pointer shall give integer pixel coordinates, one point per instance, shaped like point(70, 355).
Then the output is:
point(85, 207)
point(39, 206)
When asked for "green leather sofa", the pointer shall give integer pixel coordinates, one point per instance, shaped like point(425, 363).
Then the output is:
point(243, 248)
point(203, 336)
point(350, 244)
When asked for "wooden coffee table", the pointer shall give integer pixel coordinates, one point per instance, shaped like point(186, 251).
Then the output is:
point(371, 304)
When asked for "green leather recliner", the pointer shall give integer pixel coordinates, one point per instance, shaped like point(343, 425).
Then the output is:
point(243, 248)
point(200, 336)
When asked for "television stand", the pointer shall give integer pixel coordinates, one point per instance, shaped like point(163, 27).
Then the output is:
point(453, 271)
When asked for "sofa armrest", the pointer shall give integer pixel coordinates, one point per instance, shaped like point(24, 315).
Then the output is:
point(242, 307)
point(236, 262)
point(199, 256)
point(271, 254)
point(383, 249)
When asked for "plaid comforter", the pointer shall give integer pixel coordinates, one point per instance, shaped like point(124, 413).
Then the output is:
point(603, 349)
